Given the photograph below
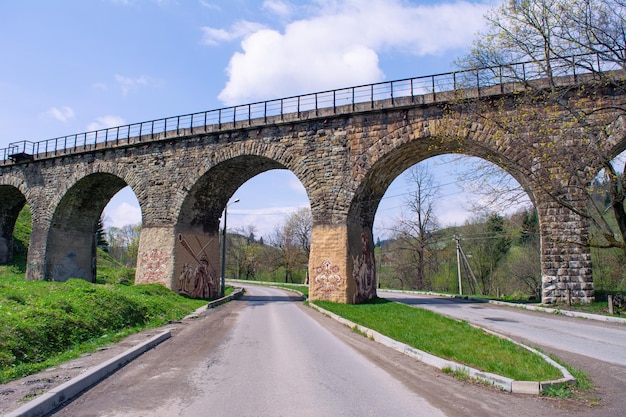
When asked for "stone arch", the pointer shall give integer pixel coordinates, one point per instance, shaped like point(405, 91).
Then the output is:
point(12, 201)
point(390, 155)
point(70, 244)
point(107, 170)
point(197, 254)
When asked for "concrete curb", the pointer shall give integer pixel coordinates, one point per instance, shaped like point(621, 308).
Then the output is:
point(506, 384)
point(556, 311)
point(233, 296)
point(47, 402)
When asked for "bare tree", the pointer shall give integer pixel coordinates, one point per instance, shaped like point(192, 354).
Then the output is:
point(243, 252)
point(293, 239)
point(414, 232)
point(561, 39)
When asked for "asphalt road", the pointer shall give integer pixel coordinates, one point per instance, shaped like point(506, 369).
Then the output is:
point(268, 355)
point(598, 340)
point(275, 360)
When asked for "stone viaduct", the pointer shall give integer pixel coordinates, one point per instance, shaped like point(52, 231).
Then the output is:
point(345, 146)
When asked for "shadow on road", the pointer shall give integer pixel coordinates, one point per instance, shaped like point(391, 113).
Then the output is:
point(264, 299)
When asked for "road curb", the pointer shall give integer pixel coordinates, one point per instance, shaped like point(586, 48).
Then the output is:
point(47, 402)
point(236, 294)
point(504, 383)
point(555, 311)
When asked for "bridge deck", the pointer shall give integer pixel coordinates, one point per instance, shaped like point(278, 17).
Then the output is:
point(408, 92)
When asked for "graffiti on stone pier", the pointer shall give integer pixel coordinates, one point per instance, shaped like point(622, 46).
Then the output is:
point(327, 278)
point(154, 264)
point(364, 271)
point(197, 279)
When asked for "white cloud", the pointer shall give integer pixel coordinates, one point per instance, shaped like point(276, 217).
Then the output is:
point(104, 122)
point(240, 29)
point(122, 214)
point(280, 8)
point(341, 43)
point(127, 83)
point(211, 6)
point(99, 86)
point(265, 220)
point(62, 114)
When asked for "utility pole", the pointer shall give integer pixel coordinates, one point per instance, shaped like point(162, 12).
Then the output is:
point(380, 263)
point(458, 261)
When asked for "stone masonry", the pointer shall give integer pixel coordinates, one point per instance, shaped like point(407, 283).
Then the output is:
point(345, 158)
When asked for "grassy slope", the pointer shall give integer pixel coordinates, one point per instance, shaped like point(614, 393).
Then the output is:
point(46, 322)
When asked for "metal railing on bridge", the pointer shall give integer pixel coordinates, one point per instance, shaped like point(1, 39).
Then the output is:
point(369, 94)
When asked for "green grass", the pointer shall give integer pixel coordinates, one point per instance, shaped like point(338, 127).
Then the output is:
point(110, 271)
point(447, 338)
point(45, 323)
point(304, 289)
point(583, 384)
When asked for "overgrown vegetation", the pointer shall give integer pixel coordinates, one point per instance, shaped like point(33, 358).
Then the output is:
point(446, 338)
point(44, 323)
point(44, 320)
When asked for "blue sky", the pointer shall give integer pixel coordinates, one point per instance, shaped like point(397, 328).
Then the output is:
point(70, 66)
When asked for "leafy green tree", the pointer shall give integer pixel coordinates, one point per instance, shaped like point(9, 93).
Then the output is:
point(486, 243)
point(101, 241)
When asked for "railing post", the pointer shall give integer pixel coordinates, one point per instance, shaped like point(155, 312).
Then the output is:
point(316, 112)
point(391, 88)
point(477, 84)
point(353, 101)
point(281, 109)
point(334, 102)
point(412, 95)
point(298, 107)
point(219, 119)
point(249, 114)
point(432, 79)
point(205, 113)
point(372, 94)
point(265, 112)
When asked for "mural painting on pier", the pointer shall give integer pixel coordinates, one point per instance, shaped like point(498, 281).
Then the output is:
point(364, 271)
point(68, 268)
point(154, 266)
point(327, 279)
point(197, 278)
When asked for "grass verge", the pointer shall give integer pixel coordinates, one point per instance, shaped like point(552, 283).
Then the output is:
point(45, 323)
point(583, 385)
point(447, 338)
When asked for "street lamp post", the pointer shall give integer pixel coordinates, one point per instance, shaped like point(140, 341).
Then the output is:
point(223, 277)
